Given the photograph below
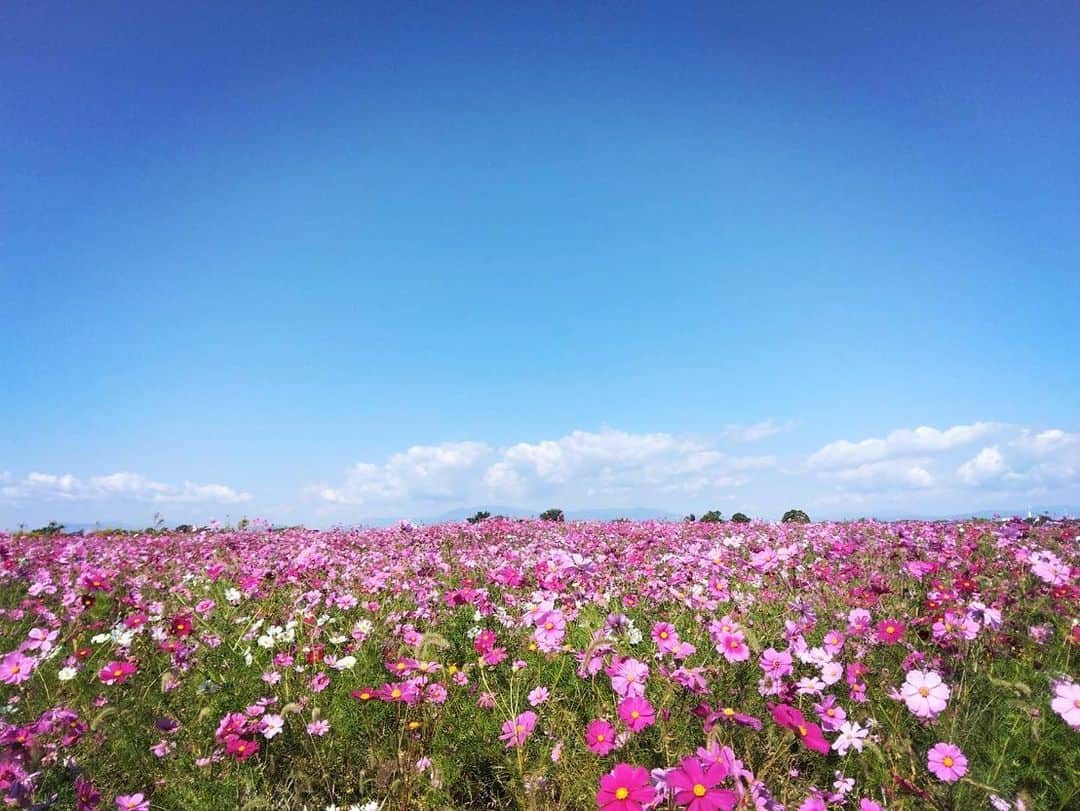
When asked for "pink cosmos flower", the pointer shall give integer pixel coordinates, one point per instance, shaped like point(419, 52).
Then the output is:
point(776, 663)
point(1066, 703)
point(734, 647)
point(538, 696)
point(600, 736)
point(132, 802)
point(666, 637)
point(516, 732)
point(925, 693)
point(403, 692)
point(116, 672)
point(697, 788)
point(625, 788)
point(890, 631)
point(637, 713)
point(15, 668)
point(628, 678)
point(810, 734)
point(318, 728)
point(946, 762)
point(550, 631)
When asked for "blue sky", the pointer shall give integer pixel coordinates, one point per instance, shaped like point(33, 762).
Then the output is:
point(367, 260)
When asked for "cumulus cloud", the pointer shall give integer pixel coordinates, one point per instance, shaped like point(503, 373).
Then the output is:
point(987, 464)
point(423, 472)
point(889, 473)
point(580, 466)
point(940, 462)
point(901, 443)
point(123, 485)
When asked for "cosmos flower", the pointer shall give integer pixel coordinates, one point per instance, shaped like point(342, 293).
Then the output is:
point(625, 788)
point(946, 762)
point(925, 693)
point(637, 713)
point(698, 788)
point(600, 736)
point(517, 731)
point(1066, 703)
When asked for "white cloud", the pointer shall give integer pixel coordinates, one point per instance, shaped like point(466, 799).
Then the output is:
point(424, 472)
point(900, 443)
point(123, 485)
point(889, 473)
point(986, 465)
point(603, 466)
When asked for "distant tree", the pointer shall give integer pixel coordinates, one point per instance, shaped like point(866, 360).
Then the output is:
point(552, 515)
point(50, 529)
point(480, 516)
point(741, 518)
point(243, 524)
point(690, 518)
point(184, 528)
point(795, 516)
point(712, 517)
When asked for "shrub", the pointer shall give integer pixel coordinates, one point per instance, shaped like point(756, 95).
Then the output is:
point(552, 515)
point(478, 517)
point(741, 518)
point(795, 517)
point(712, 517)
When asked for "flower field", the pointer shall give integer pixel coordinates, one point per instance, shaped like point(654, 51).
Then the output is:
point(537, 665)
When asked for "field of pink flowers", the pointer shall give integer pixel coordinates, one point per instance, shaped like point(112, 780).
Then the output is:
point(536, 665)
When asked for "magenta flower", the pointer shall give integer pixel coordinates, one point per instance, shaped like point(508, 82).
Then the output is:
point(776, 663)
point(600, 736)
point(946, 762)
point(734, 647)
point(516, 732)
point(15, 668)
point(666, 637)
point(810, 734)
point(697, 788)
point(116, 672)
point(625, 788)
point(637, 713)
point(890, 631)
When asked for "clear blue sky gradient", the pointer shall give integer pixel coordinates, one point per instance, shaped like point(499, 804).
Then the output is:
point(258, 245)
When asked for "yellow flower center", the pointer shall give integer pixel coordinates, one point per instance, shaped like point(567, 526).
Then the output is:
point(118, 672)
point(924, 691)
point(548, 626)
point(600, 738)
point(400, 665)
point(635, 714)
point(803, 730)
point(519, 728)
point(728, 711)
point(621, 793)
point(890, 629)
point(948, 761)
point(365, 695)
point(663, 634)
point(699, 790)
point(830, 712)
point(395, 693)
